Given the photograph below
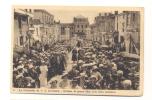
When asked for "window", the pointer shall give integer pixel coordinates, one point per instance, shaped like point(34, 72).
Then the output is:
point(133, 17)
point(86, 26)
point(77, 26)
point(37, 31)
point(81, 26)
point(123, 27)
point(19, 23)
point(127, 20)
point(21, 40)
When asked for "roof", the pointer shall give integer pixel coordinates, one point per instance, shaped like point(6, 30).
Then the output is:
point(79, 16)
point(22, 12)
point(44, 11)
point(36, 21)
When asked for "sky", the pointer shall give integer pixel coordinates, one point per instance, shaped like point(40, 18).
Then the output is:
point(66, 13)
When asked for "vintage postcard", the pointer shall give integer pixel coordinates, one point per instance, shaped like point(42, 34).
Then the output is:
point(81, 50)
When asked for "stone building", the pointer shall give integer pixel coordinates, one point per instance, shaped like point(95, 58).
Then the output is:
point(42, 21)
point(103, 27)
point(70, 26)
point(127, 23)
point(80, 23)
point(22, 29)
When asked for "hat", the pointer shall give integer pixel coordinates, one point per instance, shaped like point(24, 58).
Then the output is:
point(93, 76)
point(88, 56)
point(30, 60)
point(74, 65)
point(93, 56)
point(21, 58)
point(114, 66)
point(127, 83)
point(136, 74)
point(83, 74)
point(24, 55)
point(93, 63)
point(114, 54)
point(120, 72)
point(80, 62)
point(99, 55)
point(20, 62)
point(18, 76)
point(85, 65)
point(95, 67)
point(101, 65)
point(130, 74)
point(15, 69)
point(20, 67)
point(42, 61)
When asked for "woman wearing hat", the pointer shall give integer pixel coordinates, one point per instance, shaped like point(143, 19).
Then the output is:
point(92, 83)
point(97, 75)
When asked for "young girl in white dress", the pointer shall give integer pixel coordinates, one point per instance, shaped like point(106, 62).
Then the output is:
point(43, 75)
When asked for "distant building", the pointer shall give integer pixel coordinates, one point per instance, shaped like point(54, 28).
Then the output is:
point(42, 22)
point(105, 22)
point(81, 23)
point(67, 25)
point(103, 27)
point(44, 16)
point(55, 32)
point(128, 25)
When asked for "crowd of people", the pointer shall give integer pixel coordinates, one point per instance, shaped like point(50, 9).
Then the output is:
point(95, 67)
point(33, 68)
point(92, 67)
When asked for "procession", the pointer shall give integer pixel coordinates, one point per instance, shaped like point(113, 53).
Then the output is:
point(78, 55)
point(92, 67)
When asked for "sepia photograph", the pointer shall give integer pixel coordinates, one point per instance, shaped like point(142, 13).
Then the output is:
point(84, 50)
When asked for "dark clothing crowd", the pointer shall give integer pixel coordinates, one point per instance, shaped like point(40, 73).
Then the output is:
point(96, 67)
point(93, 66)
point(31, 68)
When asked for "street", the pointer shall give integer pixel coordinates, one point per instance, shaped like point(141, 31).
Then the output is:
point(93, 67)
point(97, 52)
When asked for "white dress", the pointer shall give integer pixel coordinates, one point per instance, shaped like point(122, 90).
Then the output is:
point(43, 76)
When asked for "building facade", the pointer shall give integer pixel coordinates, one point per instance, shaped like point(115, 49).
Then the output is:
point(128, 25)
point(70, 26)
point(55, 33)
point(42, 22)
point(44, 16)
point(80, 23)
point(22, 28)
point(103, 27)
point(105, 22)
